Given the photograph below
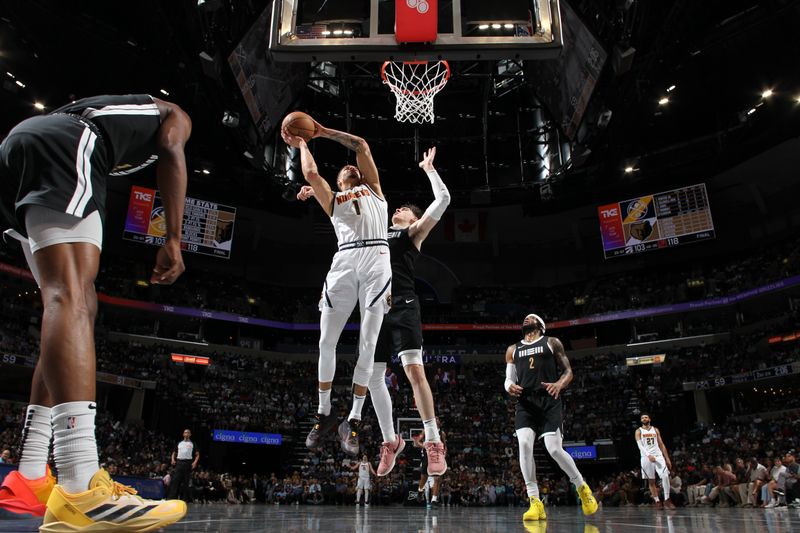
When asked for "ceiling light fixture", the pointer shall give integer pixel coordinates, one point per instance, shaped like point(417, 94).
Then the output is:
point(671, 88)
point(663, 101)
point(766, 94)
point(483, 27)
point(496, 26)
point(508, 26)
point(629, 169)
point(20, 84)
point(39, 106)
point(164, 92)
point(751, 111)
point(206, 171)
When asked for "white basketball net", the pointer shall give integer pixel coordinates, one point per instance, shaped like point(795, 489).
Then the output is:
point(414, 85)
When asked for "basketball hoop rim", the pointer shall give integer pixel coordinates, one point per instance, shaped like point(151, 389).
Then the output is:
point(434, 90)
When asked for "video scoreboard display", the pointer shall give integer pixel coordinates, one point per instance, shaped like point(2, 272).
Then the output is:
point(661, 220)
point(207, 226)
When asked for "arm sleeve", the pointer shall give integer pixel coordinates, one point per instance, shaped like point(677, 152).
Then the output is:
point(511, 376)
point(640, 444)
point(441, 196)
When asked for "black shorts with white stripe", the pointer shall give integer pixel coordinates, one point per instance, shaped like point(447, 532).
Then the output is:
point(56, 161)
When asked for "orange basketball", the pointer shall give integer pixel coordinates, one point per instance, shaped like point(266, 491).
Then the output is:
point(300, 124)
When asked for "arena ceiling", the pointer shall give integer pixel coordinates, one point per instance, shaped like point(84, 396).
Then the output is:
point(720, 56)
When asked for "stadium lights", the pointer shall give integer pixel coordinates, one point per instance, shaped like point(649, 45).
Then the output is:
point(663, 101)
point(20, 84)
point(629, 169)
point(671, 88)
point(797, 98)
point(348, 32)
point(39, 106)
point(337, 32)
point(751, 111)
point(496, 26)
point(206, 171)
point(10, 75)
point(164, 92)
point(508, 26)
point(483, 27)
point(766, 94)
point(326, 32)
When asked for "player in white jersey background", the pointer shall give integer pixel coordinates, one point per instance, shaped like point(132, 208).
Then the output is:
point(360, 272)
point(364, 483)
point(655, 460)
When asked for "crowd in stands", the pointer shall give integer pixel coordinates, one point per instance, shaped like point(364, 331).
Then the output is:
point(661, 285)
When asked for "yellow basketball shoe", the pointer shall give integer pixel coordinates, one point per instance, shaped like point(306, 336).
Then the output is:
point(536, 511)
point(107, 507)
point(588, 503)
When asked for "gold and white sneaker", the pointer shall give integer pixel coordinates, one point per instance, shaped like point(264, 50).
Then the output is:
point(107, 506)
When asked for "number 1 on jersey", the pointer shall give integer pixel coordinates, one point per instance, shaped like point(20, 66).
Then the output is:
point(357, 207)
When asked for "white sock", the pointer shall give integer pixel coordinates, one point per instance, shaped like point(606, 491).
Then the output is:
point(431, 430)
point(533, 489)
point(655, 497)
point(435, 499)
point(382, 403)
point(324, 402)
point(74, 445)
point(358, 405)
point(35, 446)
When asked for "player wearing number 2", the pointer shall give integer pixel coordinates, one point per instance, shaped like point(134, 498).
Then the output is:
point(532, 376)
point(655, 460)
point(360, 272)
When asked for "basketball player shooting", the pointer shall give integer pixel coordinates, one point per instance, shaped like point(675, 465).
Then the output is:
point(401, 332)
point(360, 273)
point(532, 376)
point(655, 460)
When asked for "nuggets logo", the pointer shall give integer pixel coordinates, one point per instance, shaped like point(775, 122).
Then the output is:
point(421, 6)
point(637, 209)
point(158, 222)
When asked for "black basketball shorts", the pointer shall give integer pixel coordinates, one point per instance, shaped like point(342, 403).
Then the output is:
point(540, 412)
point(401, 329)
point(54, 161)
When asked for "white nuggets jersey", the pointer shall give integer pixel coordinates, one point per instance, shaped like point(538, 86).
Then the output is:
point(650, 441)
point(359, 215)
point(363, 471)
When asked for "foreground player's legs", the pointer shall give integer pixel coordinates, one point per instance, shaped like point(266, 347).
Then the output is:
point(37, 431)
point(527, 465)
point(553, 443)
point(67, 359)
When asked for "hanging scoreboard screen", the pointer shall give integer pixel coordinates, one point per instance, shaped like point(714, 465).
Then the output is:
point(662, 220)
point(207, 226)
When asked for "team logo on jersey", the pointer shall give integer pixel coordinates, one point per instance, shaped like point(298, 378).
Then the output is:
point(351, 195)
point(531, 351)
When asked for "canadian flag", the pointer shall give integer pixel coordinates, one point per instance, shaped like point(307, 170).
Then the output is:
point(465, 226)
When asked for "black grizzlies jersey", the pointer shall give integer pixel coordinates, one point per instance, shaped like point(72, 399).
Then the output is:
point(535, 364)
point(128, 125)
point(403, 255)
